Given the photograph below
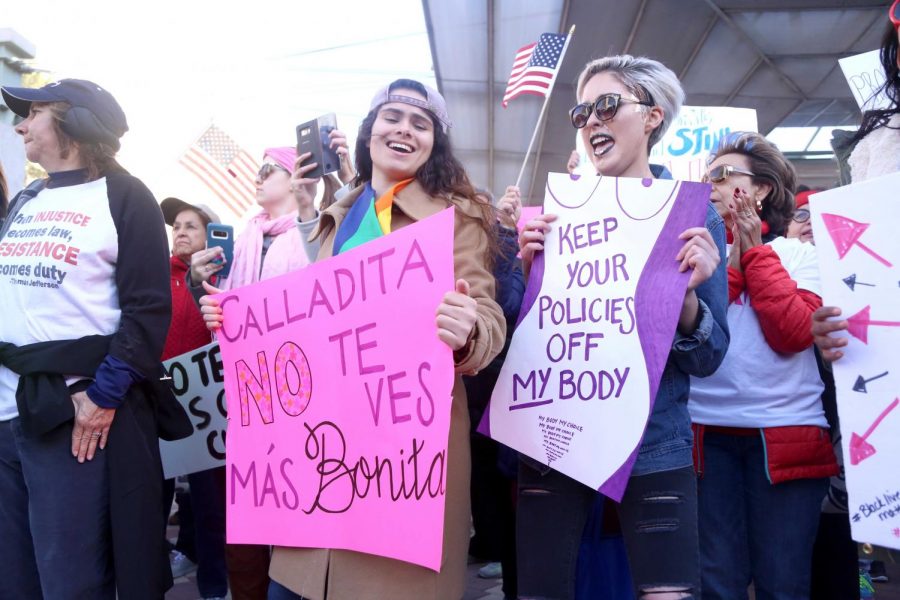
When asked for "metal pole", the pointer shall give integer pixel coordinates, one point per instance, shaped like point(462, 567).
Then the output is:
point(537, 125)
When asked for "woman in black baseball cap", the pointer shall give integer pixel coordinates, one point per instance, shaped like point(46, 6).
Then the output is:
point(84, 111)
point(86, 310)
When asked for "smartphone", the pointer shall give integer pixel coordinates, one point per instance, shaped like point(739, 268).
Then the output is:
point(221, 235)
point(312, 137)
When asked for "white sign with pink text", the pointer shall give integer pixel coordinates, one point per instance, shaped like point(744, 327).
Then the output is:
point(856, 232)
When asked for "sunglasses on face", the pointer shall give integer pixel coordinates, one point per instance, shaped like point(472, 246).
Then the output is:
point(895, 14)
point(605, 107)
point(723, 172)
point(801, 215)
point(268, 168)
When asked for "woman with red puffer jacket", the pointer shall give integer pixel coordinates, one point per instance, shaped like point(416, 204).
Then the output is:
point(762, 449)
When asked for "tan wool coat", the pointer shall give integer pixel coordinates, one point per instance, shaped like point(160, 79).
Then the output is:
point(321, 574)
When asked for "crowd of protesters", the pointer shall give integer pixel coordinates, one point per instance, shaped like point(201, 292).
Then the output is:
point(83, 399)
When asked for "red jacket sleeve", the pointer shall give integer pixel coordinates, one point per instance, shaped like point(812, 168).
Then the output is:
point(735, 284)
point(784, 311)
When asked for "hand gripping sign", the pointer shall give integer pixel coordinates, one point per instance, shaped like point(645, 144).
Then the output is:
point(339, 394)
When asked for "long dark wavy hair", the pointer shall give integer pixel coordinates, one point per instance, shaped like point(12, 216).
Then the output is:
point(442, 175)
point(873, 119)
point(769, 167)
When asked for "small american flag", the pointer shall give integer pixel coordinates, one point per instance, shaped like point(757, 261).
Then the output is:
point(534, 67)
point(224, 167)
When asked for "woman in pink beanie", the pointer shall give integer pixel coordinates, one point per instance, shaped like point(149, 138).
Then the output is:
point(269, 246)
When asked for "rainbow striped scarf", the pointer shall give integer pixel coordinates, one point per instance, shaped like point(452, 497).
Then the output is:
point(367, 219)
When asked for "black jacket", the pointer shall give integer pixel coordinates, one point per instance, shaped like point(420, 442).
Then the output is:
point(149, 411)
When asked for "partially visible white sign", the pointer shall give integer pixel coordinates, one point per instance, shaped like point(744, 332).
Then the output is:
point(197, 380)
point(859, 259)
point(694, 134)
point(865, 76)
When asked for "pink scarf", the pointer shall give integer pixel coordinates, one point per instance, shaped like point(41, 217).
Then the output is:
point(285, 253)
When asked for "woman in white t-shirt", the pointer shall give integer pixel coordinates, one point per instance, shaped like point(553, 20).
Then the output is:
point(762, 448)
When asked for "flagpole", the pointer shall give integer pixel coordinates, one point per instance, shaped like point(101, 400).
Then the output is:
point(537, 125)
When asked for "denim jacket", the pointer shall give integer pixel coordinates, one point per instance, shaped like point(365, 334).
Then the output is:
point(668, 439)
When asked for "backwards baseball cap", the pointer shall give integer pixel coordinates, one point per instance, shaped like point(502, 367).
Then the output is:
point(172, 206)
point(434, 103)
point(95, 115)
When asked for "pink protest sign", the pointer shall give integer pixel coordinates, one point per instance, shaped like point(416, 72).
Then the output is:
point(528, 213)
point(338, 392)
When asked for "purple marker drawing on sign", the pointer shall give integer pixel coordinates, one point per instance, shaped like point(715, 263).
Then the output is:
point(858, 325)
point(845, 234)
point(656, 322)
point(860, 449)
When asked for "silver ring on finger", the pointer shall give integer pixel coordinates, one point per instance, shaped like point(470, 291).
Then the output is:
point(95, 434)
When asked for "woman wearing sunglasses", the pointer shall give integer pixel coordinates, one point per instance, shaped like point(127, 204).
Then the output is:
point(407, 170)
point(625, 106)
point(761, 441)
point(800, 226)
point(269, 246)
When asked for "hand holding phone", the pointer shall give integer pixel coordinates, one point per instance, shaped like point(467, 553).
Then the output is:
point(221, 235)
point(313, 137)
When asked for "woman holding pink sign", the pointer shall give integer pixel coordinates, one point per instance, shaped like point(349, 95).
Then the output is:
point(406, 173)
